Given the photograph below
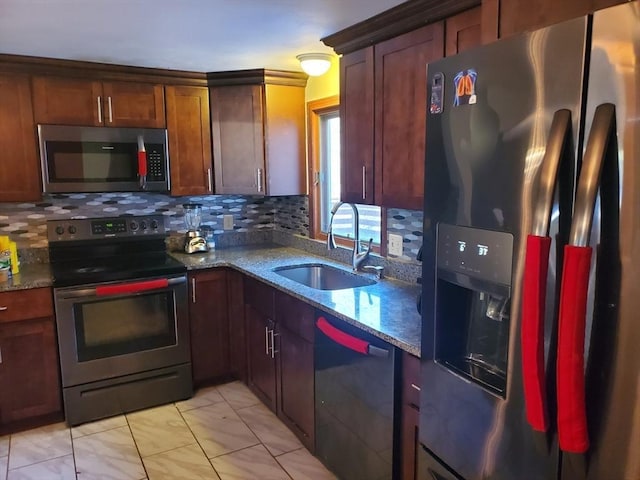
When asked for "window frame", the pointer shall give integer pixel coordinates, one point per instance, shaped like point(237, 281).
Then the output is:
point(315, 109)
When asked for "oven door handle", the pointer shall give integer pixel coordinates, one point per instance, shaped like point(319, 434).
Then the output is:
point(124, 288)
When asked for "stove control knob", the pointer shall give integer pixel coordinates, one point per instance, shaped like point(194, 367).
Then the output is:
point(143, 225)
point(154, 224)
point(72, 230)
point(133, 225)
point(59, 229)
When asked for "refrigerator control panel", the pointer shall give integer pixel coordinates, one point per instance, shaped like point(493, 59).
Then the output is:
point(483, 254)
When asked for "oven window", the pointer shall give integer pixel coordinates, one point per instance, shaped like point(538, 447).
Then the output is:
point(111, 327)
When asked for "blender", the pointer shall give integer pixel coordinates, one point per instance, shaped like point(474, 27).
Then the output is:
point(195, 240)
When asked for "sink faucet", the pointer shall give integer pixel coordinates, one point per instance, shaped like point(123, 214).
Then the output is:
point(358, 257)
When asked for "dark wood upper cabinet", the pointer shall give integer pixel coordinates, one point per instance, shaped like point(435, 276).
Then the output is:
point(20, 166)
point(209, 321)
point(28, 344)
point(515, 16)
point(463, 31)
point(357, 126)
point(132, 104)
point(258, 128)
point(400, 102)
point(189, 140)
point(74, 101)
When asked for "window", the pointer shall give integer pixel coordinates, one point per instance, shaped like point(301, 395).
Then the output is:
point(324, 161)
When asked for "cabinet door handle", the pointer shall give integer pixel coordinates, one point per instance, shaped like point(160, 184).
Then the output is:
point(266, 340)
point(364, 182)
point(193, 290)
point(209, 180)
point(259, 174)
point(272, 334)
point(3, 309)
point(110, 110)
point(415, 387)
point(0, 355)
point(99, 109)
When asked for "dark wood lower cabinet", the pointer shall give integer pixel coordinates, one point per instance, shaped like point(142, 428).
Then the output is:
point(261, 360)
point(295, 367)
point(279, 330)
point(208, 316)
point(410, 417)
point(29, 374)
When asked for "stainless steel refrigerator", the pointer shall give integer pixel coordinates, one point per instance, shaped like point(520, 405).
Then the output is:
point(531, 259)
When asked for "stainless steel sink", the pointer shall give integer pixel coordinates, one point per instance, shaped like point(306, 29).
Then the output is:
point(323, 277)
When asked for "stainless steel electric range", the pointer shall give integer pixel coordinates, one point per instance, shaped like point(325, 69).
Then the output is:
point(122, 316)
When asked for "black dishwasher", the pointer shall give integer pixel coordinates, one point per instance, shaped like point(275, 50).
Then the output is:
point(355, 400)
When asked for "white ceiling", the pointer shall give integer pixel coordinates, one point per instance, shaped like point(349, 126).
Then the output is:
point(197, 35)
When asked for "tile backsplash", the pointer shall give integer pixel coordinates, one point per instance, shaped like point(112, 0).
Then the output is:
point(25, 223)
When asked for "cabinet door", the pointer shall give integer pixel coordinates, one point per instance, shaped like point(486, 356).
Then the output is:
point(238, 139)
point(189, 140)
point(28, 346)
point(410, 417)
point(262, 365)
point(401, 96)
point(284, 129)
point(237, 333)
point(463, 31)
point(67, 101)
point(516, 16)
point(356, 127)
point(132, 104)
point(295, 366)
point(296, 404)
point(208, 315)
point(20, 167)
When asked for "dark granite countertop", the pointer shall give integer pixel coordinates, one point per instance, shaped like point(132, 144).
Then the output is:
point(386, 309)
point(32, 275)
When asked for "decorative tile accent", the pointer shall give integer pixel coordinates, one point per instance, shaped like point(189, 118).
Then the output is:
point(255, 217)
point(407, 223)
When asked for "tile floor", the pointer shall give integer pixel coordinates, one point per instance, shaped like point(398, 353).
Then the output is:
point(222, 433)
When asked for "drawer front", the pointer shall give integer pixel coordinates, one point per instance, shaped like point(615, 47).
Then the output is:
point(295, 315)
point(26, 304)
point(260, 296)
point(411, 380)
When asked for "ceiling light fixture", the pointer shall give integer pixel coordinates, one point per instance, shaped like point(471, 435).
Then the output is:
point(314, 64)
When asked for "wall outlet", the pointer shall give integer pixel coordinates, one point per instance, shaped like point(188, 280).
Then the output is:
point(227, 222)
point(395, 245)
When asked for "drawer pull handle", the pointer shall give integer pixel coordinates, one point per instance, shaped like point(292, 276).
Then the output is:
point(3, 309)
point(415, 387)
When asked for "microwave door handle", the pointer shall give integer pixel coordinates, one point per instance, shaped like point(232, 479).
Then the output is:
point(559, 151)
point(599, 170)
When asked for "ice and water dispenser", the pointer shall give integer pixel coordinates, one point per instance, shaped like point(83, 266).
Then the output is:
point(473, 299)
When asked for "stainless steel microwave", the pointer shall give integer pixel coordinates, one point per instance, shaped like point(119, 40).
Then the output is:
point(103, 159)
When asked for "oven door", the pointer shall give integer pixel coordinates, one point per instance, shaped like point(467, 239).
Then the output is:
point(114, 329)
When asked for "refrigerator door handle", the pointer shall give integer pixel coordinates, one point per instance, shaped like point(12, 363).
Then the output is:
point(573, 435)
point(559, 146)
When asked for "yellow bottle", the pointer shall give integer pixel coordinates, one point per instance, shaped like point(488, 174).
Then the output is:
point(15, 266)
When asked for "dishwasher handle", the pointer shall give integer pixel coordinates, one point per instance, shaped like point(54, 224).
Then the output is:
point(349, 341)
